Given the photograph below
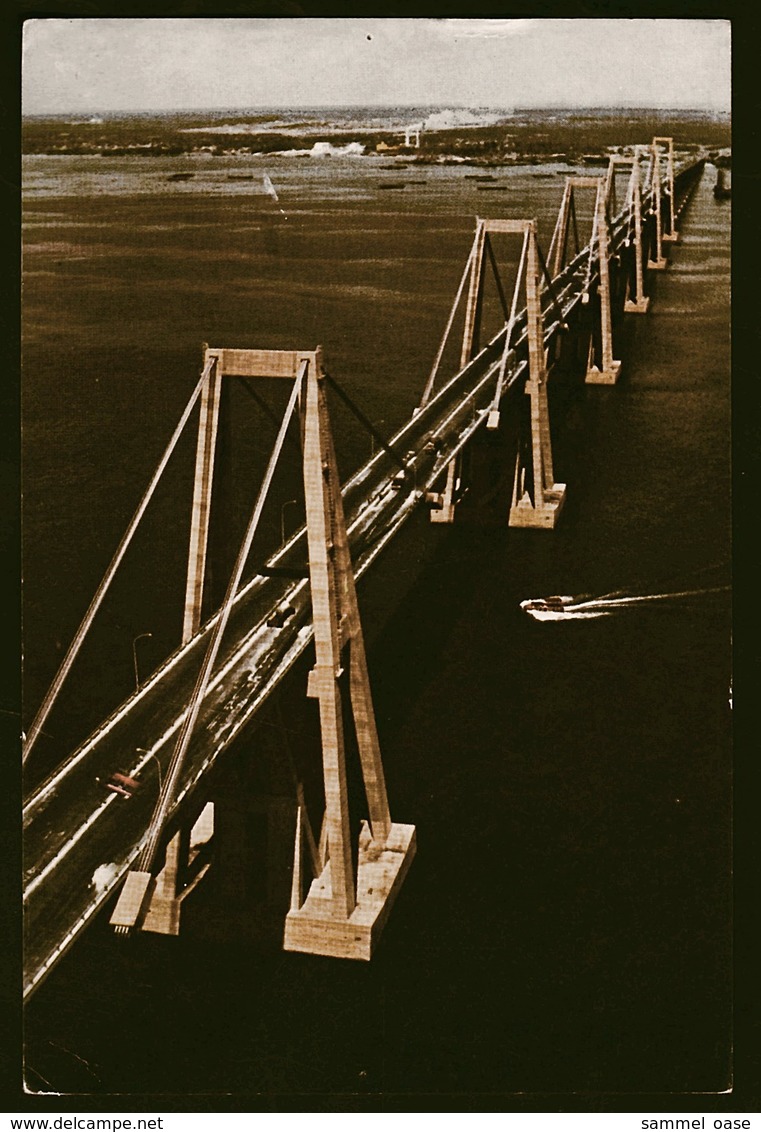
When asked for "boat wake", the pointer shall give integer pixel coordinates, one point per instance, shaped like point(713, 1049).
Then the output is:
point(562, 607)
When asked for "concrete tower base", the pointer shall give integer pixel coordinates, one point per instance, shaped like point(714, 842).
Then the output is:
point(543, 515)
point(638, 306)
point(608, 376)
point(316, 928)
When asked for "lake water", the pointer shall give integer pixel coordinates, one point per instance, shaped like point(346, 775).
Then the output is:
point(566, 924)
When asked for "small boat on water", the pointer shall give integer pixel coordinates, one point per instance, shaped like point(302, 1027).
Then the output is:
point(561, 607)
point(180, 176)
point(547, 608)
point(392, 185)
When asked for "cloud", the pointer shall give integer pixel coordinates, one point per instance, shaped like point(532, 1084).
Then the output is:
point(91, 66)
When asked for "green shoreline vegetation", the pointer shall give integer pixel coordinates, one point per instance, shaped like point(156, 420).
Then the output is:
point(524, 136)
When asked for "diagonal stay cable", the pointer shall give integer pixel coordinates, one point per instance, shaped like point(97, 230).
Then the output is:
point(590, 259)
point(510, 326)
point(175, 765)
point(437, 361)
point(363, 420)
point(44, 710)
point(555, 241)
point(551, 288)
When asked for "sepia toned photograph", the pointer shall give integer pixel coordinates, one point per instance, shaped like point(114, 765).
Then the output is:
point(377, 685)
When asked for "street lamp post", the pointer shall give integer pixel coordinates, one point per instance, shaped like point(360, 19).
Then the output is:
point(145, 751)
point(139, 637)
point(287, 503)
point(381, 424)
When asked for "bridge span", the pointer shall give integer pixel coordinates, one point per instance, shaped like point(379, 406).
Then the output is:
point(71, 827)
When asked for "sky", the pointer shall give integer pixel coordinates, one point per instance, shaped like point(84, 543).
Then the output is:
point(91, 65)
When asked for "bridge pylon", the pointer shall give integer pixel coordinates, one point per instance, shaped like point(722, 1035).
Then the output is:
point(351, 895)
point(153, 903)
point(208, 427)
point(603, 370)
point(657, 261)
point(636, 301)
point(344, 909)
point(670, 235)
point(475, 269)
point(541, 505)
point(608, 370)
point(526, 511)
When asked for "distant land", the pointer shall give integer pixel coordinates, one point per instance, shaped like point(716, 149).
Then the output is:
point(490, 136)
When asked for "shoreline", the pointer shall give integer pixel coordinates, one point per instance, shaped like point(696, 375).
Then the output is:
point(528, 137)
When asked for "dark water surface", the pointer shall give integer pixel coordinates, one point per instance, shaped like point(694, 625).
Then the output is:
point(566, 924)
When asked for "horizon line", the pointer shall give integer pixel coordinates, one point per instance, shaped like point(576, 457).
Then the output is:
point(249, 109)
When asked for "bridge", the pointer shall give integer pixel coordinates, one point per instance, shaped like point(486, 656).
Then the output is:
point(81, 841)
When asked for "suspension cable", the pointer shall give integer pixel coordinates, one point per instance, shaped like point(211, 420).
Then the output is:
point(551, 288)
point(175, 765)
point(564, 207)
point(592, 238)
point(44, 710)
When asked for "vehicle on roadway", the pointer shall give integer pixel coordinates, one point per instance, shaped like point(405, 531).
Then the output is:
point(120, 783)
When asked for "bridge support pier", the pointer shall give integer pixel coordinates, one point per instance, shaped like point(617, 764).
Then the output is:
point(639, 302)
point(637, 306)
point(540, 508)
point(153, 903)
point(344, 909)
point(608, 371)
point(163, 915)
point(670, 236)
point(444, 502)
point(543, 510)
point(658, 261)
point(347, 904)
point(134, 900)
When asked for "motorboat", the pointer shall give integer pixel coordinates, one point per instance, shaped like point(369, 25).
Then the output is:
point(547, 608)
point(563, 607)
